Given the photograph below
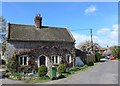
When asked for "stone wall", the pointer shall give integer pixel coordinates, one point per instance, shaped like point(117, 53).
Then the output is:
point(18, 46)
point(40, 48)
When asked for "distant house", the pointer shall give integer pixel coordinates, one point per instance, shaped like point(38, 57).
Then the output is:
point(48, 45)
point(102, 50)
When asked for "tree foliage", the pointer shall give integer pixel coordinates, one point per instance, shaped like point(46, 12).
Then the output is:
point(86, 46)
point(42, 71)
point(12, 64)
point(3, 33)
point(98, 56)
point(61, 69)
point(116, 51)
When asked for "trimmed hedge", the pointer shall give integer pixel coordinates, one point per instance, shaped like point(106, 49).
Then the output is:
point(42, 71)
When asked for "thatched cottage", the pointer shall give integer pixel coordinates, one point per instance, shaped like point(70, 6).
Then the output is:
point(44, 44)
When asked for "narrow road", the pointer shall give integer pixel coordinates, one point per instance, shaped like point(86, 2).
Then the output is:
point(103, 73)
point(9, 81)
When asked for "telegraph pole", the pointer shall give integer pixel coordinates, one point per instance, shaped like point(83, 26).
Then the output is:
point(91, 40)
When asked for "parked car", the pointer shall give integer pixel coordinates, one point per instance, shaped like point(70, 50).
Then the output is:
point(112, 57)
point(107, 57)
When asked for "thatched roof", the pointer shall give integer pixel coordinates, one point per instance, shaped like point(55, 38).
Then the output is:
point(31, 33)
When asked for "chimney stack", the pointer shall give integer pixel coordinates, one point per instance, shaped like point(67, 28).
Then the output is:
point(38, 21)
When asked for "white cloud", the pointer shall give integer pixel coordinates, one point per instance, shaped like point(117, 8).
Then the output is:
point(91, 10)
point(115, 26)
point(104, 30)
point(80, 37)
point(109, 32)
point(114, 32)
point(110, 35)
point(104, 37)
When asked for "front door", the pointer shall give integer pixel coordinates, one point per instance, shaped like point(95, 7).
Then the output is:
point(41, 60)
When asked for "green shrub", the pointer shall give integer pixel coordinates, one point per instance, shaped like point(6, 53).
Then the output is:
point(97, 56)
point(42, 70)
point(90, 64)
point(46, 78)
point(12, 64)
point(78, 68)
point(43, 78)
point(17, 76)
point(61, 69)
point(84, 67)
point(75, 69)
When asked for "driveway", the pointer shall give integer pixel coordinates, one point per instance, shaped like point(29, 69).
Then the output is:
point(103, 73)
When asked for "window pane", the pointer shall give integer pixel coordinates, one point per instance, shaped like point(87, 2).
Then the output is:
point(56, 59)
point(52, 59)
point(25, 60)
point(21, 61)
point(68, 58)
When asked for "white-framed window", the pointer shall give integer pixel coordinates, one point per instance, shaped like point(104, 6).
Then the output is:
point(23, 60)
point(55, 59)
point(68, 58)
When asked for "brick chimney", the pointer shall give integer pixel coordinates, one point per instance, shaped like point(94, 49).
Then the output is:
point(38, 21)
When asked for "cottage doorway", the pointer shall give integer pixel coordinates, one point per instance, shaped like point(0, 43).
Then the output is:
point(42, 60)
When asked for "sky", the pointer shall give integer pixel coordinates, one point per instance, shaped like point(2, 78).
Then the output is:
point(78, 17)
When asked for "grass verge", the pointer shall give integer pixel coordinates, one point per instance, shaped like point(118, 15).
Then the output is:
point(34, 79)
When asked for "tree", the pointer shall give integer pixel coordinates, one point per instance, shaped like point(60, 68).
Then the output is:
point(3, 33)
point(116, 51)
point(86, 46)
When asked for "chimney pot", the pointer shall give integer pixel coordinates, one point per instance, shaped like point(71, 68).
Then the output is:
point(38, 21)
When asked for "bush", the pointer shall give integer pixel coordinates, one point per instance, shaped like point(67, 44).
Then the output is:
point(90, 64)
point(43, 78)
point(12, 64)
point(97, 56)
point(75, 69)
point(84, 67)
point(61, 69)
point(17, 76)
point(42, 70)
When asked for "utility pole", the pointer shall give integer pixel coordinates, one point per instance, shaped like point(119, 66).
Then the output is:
point(91, 40)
